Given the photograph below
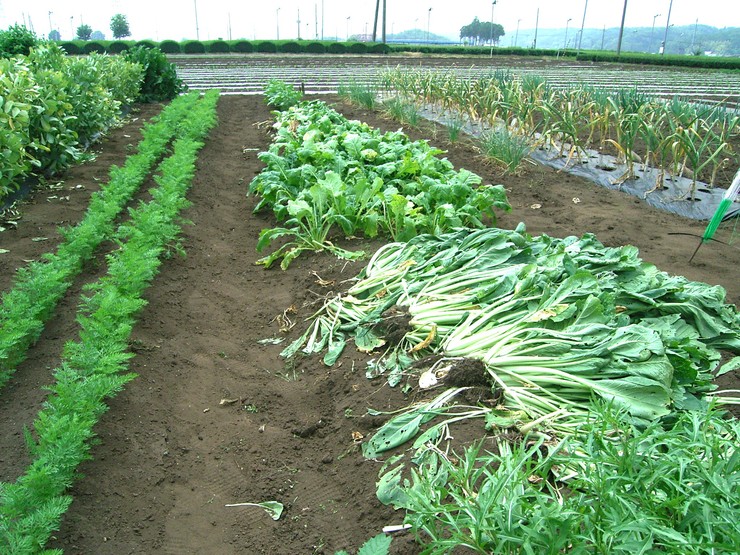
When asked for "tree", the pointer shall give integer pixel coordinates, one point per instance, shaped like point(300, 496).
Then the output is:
point(55, 35)
point(84, 32)
point(119, 26)
point(479, 32)
point(97, 35)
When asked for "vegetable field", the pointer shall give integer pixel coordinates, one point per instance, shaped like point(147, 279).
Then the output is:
point(219, 426)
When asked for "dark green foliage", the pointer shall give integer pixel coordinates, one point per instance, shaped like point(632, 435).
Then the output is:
point(336, 48)
point(219, 46)
point(119, 26)
point(378, 48)
point(243, 46)
point(281, 95)
point(16, 40)
point(193, 47)
point(93, 46)
point(357, 48)
point(118, 46)
point(84, 32)
point(290, 47)
point(170, 47)
point(71, 48)
point(160, 77)
point(146, 44)
point(315, 48)
point(266, 46)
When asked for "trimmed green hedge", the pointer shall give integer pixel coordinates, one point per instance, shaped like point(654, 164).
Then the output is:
point(118, 46)
point(242, 46)
point(193, 47)
point(265, 46)
point(291, 47)
point(146, 44)
point(93, 46)
point(315, 48)
point(170, 47)
point(336, 48)
point(71, 48)
point(219, 47)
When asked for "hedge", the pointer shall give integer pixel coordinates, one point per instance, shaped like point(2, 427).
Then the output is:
point(71, 48)
point(242, 46)
point(170, 47)
point(93, 46)
point(266, 46)
point(336, 48)
point(193, 47)
point(118, 46)
point(315, 48)
point(147, 44)
point(219, 47)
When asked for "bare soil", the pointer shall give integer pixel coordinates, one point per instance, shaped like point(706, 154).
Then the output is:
point(215, 416)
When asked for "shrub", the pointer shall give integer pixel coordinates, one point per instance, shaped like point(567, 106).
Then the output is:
point(16, 40)
point(336, 48)
point(378, 48)
point(243, 46)
point(160, 77)
point(193, 47)
point(118, 46)
point(219, 47)
point(93, 46)
point(170, 47)
point(315, 48)
point(146, 44)
point(266, 46)
point(357, 48)
point(71, 48)
point(290, 47)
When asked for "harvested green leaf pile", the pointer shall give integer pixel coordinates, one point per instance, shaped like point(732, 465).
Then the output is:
point(554, 321)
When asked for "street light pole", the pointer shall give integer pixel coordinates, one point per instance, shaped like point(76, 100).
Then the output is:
point(536, 27)
point(277, 20)
point(667, 24)
point(429, 18)
point(657, 15)
point(565, 42)
point(493, 5)
point(348, 18)
point(197, 31)
point(516, 36)
point(299, 23)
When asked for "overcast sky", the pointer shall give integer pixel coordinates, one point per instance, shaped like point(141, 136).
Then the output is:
point(254, 19)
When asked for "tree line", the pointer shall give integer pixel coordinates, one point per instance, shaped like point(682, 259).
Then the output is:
point(481, 32)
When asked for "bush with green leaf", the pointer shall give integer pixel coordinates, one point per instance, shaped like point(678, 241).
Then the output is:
point(16, 109)
point(193, 47)
point(243, 46)
point(170, 47)
point(118, 46)
point(15, 40)
point(219, 47)
point(160, 80)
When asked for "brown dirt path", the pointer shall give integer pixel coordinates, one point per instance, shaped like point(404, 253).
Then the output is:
point(171, 456)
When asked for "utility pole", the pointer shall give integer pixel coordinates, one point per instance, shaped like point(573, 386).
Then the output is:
point(583, 23)
point(299, 24)
point(277, 20)
point(621, 29)
point(667, 24)
point(197, 31)
point(536, 26)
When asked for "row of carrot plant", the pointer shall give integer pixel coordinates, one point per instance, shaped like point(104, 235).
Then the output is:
point(94, 367)
point(590, 370)
point(679, 137)
point(39, 286)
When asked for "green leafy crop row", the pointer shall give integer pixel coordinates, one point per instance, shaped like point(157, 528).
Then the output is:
point(93, 368)
point(41, 285)
point(327, 174)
